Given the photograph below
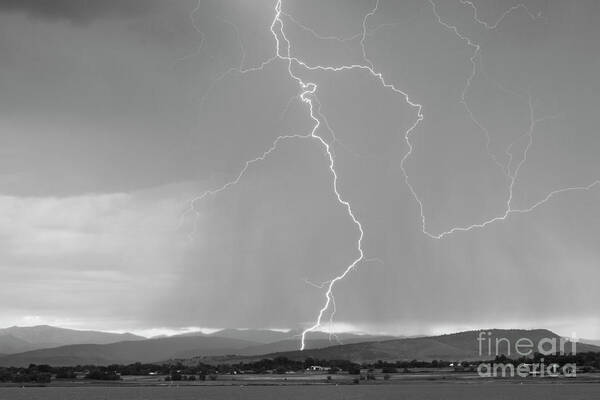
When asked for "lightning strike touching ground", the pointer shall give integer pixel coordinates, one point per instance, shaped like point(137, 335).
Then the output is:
point(309, 89)
point(307, 95)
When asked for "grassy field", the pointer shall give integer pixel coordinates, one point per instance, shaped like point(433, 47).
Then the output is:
point(302, 378)
point(407, 391)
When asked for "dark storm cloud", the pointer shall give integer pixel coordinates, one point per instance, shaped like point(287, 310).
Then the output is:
point(79, 10)
point(77, 94)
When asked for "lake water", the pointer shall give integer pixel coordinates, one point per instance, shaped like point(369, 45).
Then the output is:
point(410, 391)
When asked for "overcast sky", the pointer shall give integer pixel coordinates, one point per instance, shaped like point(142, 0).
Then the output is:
point(115, 114)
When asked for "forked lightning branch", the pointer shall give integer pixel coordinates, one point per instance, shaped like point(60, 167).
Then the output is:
point(307, 94)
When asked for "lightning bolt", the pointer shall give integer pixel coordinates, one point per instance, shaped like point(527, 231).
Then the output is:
point(344, 40)
point(476, 60)
point(318, 35)
point(512, 177)
point(324, 284)
point(197, 29)
point(309, 89)
point(504, 14)
point(307, 95)
point(509, 210)
point(192, 208)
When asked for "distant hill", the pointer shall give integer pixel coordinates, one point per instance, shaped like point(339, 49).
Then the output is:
point(453, 347)
point(10, 344)
point(314, 341)
point(150, 350)
point(276, 341)
point(19, 339)
point(590, 341)
point(253, 335)
point(270, 341)
point(457, 346)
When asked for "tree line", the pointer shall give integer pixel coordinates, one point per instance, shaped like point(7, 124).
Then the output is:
point(42, 374)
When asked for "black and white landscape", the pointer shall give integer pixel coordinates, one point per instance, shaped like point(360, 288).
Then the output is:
point(207, 183)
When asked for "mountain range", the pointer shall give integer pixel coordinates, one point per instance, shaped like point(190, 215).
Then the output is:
point(20, 339)
point(232, 342)
point(234, 345)
point(145, 351)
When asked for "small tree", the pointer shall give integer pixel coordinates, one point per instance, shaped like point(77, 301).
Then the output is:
point(176, 376)
point(354, 370)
